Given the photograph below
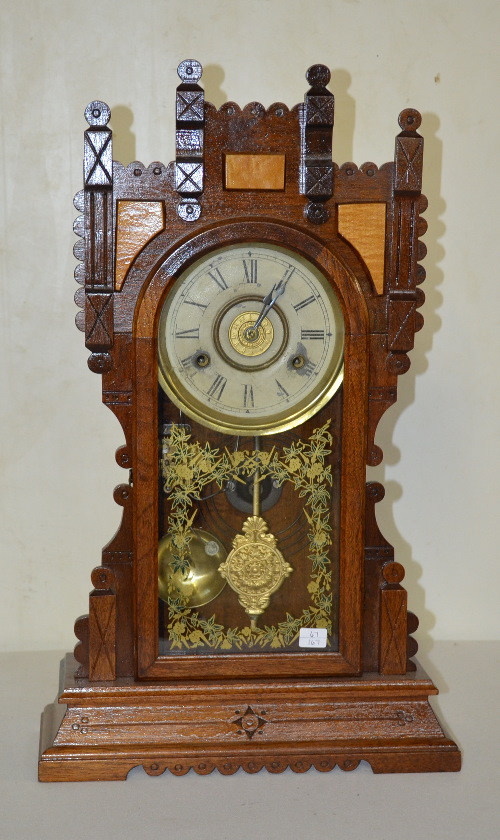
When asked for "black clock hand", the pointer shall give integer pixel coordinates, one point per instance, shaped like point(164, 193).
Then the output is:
point(269, 301)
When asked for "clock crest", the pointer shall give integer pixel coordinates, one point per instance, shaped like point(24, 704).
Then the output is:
point(250, 307)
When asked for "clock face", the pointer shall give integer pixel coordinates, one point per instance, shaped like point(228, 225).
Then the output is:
point(251, 340)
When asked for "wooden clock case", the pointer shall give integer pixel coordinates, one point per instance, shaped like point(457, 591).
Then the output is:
point(251, 174)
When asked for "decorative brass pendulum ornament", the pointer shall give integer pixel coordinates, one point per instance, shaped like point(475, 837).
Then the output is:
point(255, 568)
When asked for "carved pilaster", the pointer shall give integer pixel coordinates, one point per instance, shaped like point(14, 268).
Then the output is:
point(403, 297)
point(189, 139)
point(102, 626)
point(377, 553)
point(96, 227)
point(393, 621)
point(316, 176)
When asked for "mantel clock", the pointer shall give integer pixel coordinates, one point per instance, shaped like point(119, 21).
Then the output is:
point(249, 307)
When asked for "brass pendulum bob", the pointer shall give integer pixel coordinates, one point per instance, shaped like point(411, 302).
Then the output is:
point(201, 582)
point(255, 568)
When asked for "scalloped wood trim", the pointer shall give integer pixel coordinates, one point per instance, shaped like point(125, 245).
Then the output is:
point(382, 759)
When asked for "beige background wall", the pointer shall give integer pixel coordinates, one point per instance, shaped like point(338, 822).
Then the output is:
point(441, 440)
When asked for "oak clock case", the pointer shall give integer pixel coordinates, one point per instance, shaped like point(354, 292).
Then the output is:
point(250, 307)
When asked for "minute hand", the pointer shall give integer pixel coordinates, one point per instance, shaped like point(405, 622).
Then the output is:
point(270, 300)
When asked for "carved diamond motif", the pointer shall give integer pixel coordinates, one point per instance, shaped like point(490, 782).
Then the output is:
point(97, 158)
point(249, 722)
point(190, 105)
point(189, 177)
point(320, 110)
point(319, 180)
point(99, 320)
point(409, 157)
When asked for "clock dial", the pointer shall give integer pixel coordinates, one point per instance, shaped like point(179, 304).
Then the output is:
point(251, 340)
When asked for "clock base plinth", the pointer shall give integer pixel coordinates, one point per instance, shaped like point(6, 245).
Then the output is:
point(100, 731)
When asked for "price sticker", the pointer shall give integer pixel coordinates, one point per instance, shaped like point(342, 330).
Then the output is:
point(313, 638)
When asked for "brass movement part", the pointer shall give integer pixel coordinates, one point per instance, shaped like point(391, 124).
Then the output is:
point(254, 172)
point(136, 223)
point(363, 225)
point(247, 341)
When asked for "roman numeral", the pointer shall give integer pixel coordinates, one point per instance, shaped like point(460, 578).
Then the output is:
point(195, 303)
point(250, 269)
point(281, 391)
point(193, 333)
point(187, 362)
point(217, 387)
point(308, 368)
point(288, 273)
point(304, 303)
point(218, 278)
point(312, 335)
point(248, 397)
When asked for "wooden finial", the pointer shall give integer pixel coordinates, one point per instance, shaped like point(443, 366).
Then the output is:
point(189, 71)
point(97, 113)
point(318, 75)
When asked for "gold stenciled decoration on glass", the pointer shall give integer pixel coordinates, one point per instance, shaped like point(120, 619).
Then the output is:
point(188, 467)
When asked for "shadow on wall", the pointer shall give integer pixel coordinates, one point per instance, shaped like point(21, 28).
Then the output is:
point(211, 81)
point(345, 116)
point(124, 141)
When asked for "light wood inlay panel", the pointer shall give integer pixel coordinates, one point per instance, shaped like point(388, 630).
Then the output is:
point(363, 225)
point(136, 223)
point(255, 172)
